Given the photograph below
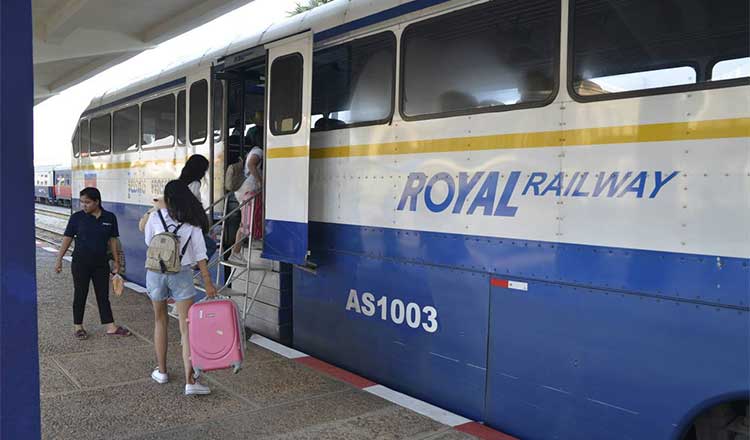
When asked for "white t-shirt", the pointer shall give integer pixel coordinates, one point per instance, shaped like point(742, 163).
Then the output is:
point(195, 251)
point(195, 188)
point(251, 184)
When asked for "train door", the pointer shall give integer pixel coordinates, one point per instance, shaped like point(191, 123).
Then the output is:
point(288, 104)
point(197, 129)
point(219, 159)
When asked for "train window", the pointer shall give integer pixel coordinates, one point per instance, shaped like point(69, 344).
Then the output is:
point(84, 137)
point(218, 109)
point(181, 121)
point(157, 122)
point(651, 79)
point(286, 95)
point(630, 48)
point(198, 112)
point(101, 136)
point(730, 69)
point(125, 130)
point(76, 141)
point(495, 56)
point(353, 83)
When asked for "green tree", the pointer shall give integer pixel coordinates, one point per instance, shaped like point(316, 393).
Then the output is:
point(306, 6)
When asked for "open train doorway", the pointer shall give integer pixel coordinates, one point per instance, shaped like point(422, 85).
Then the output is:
point(269, 95)
point(245, 121)
point(244, 77)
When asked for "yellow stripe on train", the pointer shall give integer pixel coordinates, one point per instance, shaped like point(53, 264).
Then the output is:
point(673, 131)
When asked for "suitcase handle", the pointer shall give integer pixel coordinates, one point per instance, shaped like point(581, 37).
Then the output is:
point(215, 298)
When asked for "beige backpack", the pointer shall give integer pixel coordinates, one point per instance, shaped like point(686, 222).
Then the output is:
point(163, 253)
point(234, 176)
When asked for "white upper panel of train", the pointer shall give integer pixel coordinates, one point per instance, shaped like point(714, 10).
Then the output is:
point(319, 19)
point(663, 171)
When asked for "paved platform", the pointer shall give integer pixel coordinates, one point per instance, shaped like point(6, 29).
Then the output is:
point(100, 388)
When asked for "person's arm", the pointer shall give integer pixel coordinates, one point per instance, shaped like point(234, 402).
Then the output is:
point(115, 254)
point(63, 250)
point(198, 245)
point(71, 229)
point(113, 247)
point(148, 231)
point(209, 285)
point(144, 220)
point(253, 162)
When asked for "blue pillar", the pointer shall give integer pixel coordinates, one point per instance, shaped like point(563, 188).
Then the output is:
point(19, 357)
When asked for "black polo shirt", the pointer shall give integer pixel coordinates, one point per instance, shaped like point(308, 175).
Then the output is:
point(92, 236)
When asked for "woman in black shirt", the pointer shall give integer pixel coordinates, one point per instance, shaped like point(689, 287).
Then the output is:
point(94, 230)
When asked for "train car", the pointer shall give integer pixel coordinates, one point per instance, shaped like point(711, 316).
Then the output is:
point(62, 186)
point(43, 186)
point(531, 213)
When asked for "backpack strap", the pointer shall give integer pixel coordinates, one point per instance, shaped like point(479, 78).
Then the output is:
point(163, 223)
point(166, 227)
point(184, 248)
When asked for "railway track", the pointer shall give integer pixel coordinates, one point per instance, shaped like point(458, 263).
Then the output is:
point(45, 231)
point(48, 235)
point(51, 213)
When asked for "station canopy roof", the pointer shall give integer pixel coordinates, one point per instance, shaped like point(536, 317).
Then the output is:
point(77, 39)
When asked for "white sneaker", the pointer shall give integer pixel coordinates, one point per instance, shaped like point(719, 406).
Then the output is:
point(196, 389)
point(161, 378)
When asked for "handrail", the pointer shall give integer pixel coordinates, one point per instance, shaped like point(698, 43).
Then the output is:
point(210, 209)
point(236, 270)
point(221, 221)
point(225, 217)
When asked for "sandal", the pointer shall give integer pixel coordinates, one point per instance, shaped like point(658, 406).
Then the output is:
point(121, 331)
point(81, 335)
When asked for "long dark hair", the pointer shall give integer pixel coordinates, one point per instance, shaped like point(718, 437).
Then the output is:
point(93, 194)
point(183, 206)
point(195, 168)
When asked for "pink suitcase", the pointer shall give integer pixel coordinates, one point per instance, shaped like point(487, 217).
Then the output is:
point(216, 340)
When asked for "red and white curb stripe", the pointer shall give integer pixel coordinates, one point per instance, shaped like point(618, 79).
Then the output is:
point(440, 415)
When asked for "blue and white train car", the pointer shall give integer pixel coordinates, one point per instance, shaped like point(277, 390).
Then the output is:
point(533, 213)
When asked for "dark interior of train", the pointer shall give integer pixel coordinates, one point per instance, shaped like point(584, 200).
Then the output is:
point(245, 101)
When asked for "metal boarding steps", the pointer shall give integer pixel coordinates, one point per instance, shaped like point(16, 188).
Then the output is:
point(261, 288)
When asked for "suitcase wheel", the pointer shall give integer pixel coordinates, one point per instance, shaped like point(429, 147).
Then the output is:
point(196, 373)
point(236, 368)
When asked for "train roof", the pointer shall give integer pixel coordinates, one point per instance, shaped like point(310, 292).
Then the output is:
point(328, 21)
point(47, 168)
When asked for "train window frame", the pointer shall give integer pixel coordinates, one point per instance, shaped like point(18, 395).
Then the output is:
point(392, 111)
point(138, 141)
point(182, 93)
point(193, 141)
point(76, 140)
point(218, 133)
point(697, 86)
point(557, 32)
point(269, 117)
point(97, 117)
point(85, 153)
point(174, 126)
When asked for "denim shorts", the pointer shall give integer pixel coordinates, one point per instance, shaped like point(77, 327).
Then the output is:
point(162, 286)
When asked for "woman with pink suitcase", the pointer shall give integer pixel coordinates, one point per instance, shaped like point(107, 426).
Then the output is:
point(174, 236)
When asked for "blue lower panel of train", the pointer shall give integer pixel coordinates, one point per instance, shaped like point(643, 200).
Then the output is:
point(568, 362)
point(419, 329)
point(534, 358)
